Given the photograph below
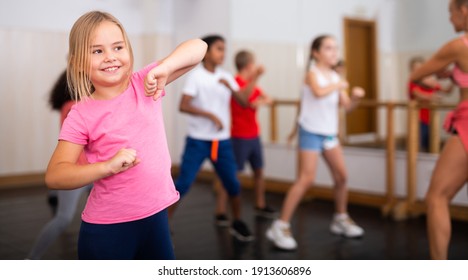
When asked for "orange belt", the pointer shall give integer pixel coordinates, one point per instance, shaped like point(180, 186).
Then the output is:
point(214, 150)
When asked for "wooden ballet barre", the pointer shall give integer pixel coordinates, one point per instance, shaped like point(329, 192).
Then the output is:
point(390, 145)
point(274, 113)
point(409, 205)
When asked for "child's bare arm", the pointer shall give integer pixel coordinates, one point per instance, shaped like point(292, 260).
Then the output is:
point(437, 63)
point(319, 91)
point(263, 99)
point(350, 102)
point(186, 56)
point(64, 173)
point(242, 96)
point(187, 107)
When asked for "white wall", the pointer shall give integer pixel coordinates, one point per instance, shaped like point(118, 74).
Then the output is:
point(425, 25)
point(138, 16)
point(280, 33)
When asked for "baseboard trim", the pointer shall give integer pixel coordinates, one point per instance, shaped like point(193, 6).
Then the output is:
point(272, 185)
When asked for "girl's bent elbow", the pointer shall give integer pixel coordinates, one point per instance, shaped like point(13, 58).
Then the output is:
point(50, 181)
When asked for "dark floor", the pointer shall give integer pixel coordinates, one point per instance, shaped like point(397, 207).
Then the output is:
point(23, 212)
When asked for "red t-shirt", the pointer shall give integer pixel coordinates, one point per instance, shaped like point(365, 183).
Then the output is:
point(423, 113)
point(244, 120)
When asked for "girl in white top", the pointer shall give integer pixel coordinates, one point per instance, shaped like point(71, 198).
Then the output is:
point(323, 92)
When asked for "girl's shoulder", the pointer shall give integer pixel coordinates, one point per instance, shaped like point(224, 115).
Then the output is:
point(312, 68)
point(316, 72)
point(454, 46)
point(313, 71)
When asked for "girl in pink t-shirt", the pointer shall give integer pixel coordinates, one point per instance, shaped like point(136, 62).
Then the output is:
point(118, 123)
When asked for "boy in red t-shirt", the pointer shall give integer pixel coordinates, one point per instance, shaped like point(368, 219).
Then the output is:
point(245, 133)
point(425, 93)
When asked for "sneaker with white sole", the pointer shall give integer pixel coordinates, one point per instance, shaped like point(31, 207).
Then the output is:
point(280, 234)
point(346, 227)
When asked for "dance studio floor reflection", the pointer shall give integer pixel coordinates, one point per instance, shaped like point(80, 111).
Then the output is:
point(24, 211)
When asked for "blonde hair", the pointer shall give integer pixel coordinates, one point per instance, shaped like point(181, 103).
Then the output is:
point(79, 61)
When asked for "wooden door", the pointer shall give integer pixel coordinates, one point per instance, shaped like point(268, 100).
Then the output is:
point(361, 65)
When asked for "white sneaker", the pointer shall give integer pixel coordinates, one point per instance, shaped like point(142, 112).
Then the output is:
point(280, 234)
point(346, 227)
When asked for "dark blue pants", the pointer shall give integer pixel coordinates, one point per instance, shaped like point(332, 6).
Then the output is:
point(195, 152)
point(424, 136)
point(145, 239)
point(248, 150)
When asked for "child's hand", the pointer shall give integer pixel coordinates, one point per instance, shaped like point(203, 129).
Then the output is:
point(430, 81)
point(261, 101)
point(123, 160)
point(225, 83)
point(260, 70)
point(358, 92)
point(155, 82)
point(217, 122)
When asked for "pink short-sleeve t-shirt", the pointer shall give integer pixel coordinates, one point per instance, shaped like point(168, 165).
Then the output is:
point(103, 127)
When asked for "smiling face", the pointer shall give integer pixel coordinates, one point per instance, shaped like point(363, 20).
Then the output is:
point(109, 57)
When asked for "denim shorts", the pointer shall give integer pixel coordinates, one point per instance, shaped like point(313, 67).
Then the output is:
point(316, 142)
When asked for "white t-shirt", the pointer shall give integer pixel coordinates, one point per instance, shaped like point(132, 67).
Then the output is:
point(319, 115)
point(212, 96)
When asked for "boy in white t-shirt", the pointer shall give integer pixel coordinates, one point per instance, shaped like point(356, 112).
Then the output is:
point(206, 99)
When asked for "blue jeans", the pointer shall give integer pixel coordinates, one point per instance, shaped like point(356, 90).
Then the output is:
point(145, 239)
point(195, 152)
